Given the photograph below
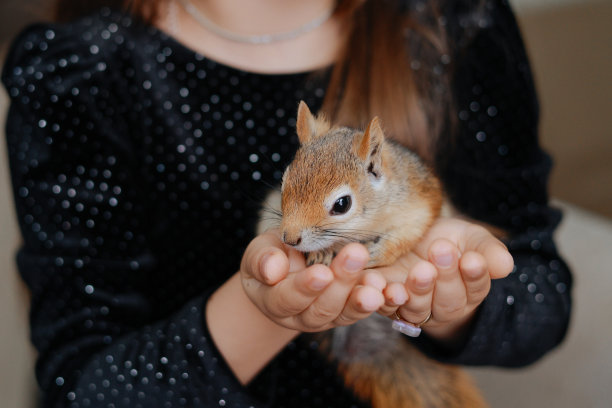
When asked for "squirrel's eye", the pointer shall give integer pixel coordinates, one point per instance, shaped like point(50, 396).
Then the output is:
point(341, 206)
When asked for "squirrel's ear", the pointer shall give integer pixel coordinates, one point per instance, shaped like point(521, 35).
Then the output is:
point(369, 146)
point(305, 125)
point(308, 126)
point(371, 141)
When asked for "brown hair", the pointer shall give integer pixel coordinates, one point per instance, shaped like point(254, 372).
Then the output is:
point(394, 65)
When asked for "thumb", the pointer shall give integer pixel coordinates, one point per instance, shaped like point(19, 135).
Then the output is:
point(265, 259)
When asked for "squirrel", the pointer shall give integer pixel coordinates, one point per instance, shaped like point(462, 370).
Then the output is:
point(346, 185)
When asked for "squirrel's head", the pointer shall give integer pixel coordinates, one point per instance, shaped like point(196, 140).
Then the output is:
point(330, 184)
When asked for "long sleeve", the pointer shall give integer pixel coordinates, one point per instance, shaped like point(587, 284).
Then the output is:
point(138, 169)
point(497, 173)
point(107, 331)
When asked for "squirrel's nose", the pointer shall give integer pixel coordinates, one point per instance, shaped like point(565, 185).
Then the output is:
point(293, 241)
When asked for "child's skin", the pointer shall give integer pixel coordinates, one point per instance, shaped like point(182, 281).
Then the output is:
point(274, 297)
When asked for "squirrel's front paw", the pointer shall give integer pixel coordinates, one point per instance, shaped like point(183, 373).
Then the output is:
point(320, 257)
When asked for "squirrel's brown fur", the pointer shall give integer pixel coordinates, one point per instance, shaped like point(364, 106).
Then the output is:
point(394, 197)
point(393, 200)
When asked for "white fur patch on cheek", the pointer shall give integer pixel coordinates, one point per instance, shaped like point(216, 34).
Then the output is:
point(378, 183)
point(311, 242)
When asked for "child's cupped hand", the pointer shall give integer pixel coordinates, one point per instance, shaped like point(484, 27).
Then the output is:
point(314, 298)
point(445, 277)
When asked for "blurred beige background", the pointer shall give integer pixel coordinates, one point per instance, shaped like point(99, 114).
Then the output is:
point(570, 44)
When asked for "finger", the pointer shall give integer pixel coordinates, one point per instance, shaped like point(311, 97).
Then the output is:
point(450, 293)
point(265, 259)
point(347, 267)
point(361, 303)
point(420, 286)
point(499, 261)
point(374, 279)
point(475, 276)
point(350, 262)
point(398, 271)
point(395, 295)
point(297, 262)
point(297, 291)
point(444, 255)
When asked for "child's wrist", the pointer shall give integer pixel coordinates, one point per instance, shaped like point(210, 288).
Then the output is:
point(243, 334)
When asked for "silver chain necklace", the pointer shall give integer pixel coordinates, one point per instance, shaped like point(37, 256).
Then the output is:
point(254, 39)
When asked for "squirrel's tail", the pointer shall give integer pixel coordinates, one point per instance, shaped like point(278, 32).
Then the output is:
point(381, 366)
point(411, 380)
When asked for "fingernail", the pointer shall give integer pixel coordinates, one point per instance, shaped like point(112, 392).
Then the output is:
point(369, 304)
point(262, 264)
point(399, 300)
point(423, 283)
point(265, 265)
point(319, 281)
point(353, 265)
point(443, 260)
point(376, 281)
point(318, 284)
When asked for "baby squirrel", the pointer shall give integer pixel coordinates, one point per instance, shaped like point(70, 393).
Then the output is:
point(346, 185)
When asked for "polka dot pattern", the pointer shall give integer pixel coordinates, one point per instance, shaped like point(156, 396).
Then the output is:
point(138, 168)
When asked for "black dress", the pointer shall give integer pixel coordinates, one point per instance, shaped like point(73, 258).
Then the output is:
point(138, 167)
